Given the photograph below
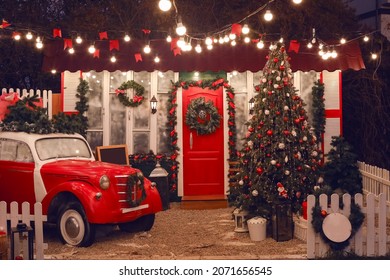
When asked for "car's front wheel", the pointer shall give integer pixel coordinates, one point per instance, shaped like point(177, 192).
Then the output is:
point(73, 226)
point(144, 223)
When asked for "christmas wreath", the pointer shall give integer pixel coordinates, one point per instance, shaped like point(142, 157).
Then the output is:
point(135, 186)
point(202, 116)
point(356, 219)
point(138, 95)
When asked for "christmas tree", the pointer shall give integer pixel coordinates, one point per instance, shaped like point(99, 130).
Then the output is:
point(341, 171)
point(280, 158)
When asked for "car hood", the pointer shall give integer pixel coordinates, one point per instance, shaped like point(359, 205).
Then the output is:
point(85, 168)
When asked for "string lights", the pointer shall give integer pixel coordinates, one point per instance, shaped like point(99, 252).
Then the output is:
point(227, 35)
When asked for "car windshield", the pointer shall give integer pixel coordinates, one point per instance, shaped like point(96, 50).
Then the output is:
point(49, 148)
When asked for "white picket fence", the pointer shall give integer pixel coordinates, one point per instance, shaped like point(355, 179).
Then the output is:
point(25, 217)
point(46, 96)
point(375, 180)
point(371, 239)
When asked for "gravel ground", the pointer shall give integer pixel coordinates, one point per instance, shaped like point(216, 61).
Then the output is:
point(178, 234)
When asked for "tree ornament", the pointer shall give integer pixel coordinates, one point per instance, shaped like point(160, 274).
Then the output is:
point(273, 162)
point(281, 146)
point(269, 132)
point(266, 112)
point(287, 172)
point(137, 97)
point(241, 182)
point(255, 193)
point(202, 116)
point(259, 170)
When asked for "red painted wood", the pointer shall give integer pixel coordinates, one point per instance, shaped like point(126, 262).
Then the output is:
point(203, 164)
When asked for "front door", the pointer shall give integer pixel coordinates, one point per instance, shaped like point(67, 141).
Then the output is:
point(203, 155)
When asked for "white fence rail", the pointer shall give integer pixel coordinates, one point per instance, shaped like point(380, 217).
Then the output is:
point(25, 217)
point(375, 180)
point(371, 239)
point(46, 96)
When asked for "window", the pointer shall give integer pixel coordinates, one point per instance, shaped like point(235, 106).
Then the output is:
point(12, 150)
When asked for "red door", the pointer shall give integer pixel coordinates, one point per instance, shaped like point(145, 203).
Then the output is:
point(203, 155)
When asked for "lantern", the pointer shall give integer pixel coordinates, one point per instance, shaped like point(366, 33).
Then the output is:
point(153, 104)
point(159, 177)
point(20, 234)
point(282, 221)
point(240, 219)
point(251, 105)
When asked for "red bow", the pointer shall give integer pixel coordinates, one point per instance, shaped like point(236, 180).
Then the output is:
point(137, 98)
point(119, 91)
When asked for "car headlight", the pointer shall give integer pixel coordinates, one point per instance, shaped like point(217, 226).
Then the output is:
point(104, 182)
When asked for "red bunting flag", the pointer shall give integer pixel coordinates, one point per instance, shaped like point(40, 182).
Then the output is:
point(138, 57)
point(96, 54)
point(236, 29)
point(57, 33)
point(146, 31)
point(176, 51)
point(4, 24)
point(174, 43)
point(294, 46)
point(114, 44)
point(68, 44)
point(103, 35)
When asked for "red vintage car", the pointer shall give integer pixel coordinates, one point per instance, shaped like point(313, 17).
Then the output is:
point(76, 191)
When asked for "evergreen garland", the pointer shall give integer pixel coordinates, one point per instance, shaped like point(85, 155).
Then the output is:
point(26, 116)
point(134, 183)
point(356, 218)
point(319, 119)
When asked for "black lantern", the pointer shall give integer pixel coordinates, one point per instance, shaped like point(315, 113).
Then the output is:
point(19, 234)
point(251, 105)
point(159, 177)
point(282, 221)
point(153, 104)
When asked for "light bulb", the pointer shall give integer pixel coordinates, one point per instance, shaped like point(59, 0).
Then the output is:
point(374, 56)
point(233, 43)
point(343, 41)
point(245, 29)
point(260, 44)
point(268, 15)
point(232, 36)
point(17, 36)
point(164, 5)
point(169, 38)
point(71, 50)
point(220, 40)
point(91, 49)
point(366, 38)
point(157, 59)
point(181, 43)
point(180, 29)
point(208, 41)
point(334, 54)
point(113, 59)
point(127, 38)
point(188, 47)
point(147, 49)
point(226, 38)
point(29, 36)
point(39, 45)
point(297, 1)
point(309, 45)
point(209, 47)
point(281, 40)
point(198, 48)
point(247, 40)
point(53, 71)
point(79, 40)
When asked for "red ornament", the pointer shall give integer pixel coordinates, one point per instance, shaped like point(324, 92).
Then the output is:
point(277, 113)
point(251, 129)
point(286, 132)
point(282, 67)
point(269, 92)
point(285, 119)
point(259, 136)
point(276, 59)
point(297, 121)
point(299, 168)
point(257, 88)
point(259, 170)
point(278, 165)
point(324, 213)
point(269, 132)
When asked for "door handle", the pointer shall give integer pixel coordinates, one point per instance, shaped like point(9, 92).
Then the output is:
point(191, 141)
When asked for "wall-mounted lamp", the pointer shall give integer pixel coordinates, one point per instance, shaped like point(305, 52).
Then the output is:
point(153, 104)
point(251, 105)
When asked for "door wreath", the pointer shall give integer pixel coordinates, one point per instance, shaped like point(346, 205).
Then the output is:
point(138, 94)
point(202, 116)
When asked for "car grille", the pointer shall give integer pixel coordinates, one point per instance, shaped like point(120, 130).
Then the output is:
point(124, 195)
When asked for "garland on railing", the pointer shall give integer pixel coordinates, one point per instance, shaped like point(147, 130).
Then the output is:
point(356, 219)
